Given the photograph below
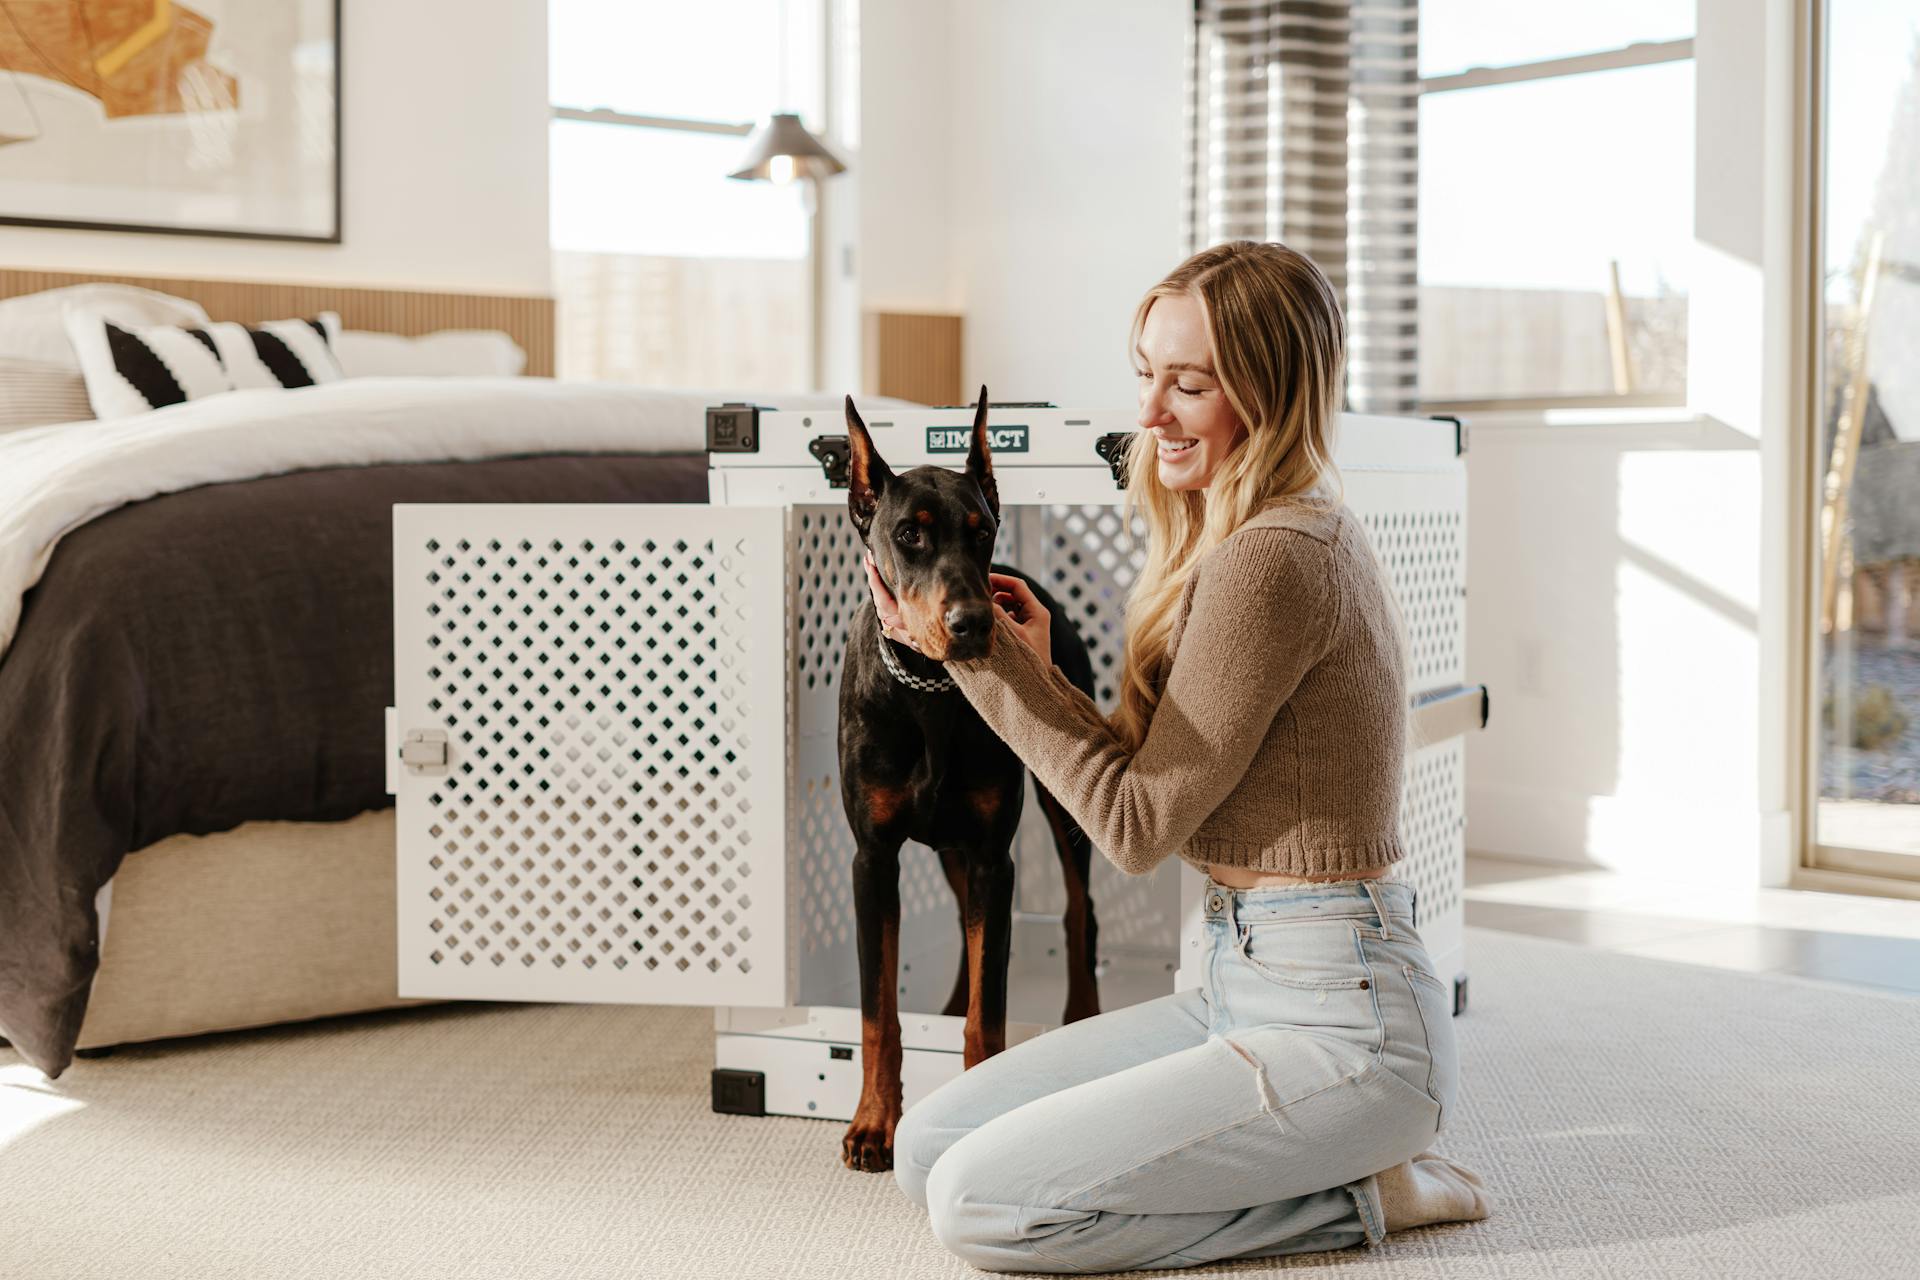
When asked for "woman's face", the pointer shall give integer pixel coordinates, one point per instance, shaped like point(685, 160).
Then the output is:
point(1181, 402)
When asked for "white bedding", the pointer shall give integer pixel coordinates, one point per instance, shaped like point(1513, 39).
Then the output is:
point(53, 479)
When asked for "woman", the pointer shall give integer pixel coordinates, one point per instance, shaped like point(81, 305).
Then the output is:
point(1285, 1105)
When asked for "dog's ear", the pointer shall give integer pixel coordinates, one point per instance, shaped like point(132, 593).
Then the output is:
point(980, 457)
point(867, 472)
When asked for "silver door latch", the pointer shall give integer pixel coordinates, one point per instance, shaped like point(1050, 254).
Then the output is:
point(424, 751)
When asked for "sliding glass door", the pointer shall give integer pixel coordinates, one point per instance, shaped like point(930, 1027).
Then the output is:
point(1866, 530)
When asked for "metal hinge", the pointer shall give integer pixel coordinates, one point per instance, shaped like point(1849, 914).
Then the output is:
point(834, 454)
point(1112, 449)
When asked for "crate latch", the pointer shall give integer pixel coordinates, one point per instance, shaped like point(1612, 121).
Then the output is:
point(424, 751)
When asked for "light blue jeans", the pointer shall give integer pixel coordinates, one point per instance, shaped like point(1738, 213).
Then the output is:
point(1240, 1119)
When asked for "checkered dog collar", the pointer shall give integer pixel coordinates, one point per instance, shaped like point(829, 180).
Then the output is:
point(921, 683)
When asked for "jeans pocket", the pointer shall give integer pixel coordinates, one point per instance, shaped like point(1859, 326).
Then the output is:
point(1434, 999)
point(1309, 955)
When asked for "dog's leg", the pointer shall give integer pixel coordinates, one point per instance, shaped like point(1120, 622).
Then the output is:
point(989, 931)
point(868, 1144)
point(1076, 866)
point(953, 862)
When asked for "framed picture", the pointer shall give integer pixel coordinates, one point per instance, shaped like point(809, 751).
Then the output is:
point(209, 117)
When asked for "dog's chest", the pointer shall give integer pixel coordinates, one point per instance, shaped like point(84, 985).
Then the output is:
point(958, 762)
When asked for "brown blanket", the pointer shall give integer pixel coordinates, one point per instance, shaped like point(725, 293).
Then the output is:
point(208, 658)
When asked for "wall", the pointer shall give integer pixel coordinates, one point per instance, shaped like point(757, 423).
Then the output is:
point(1613, 592)
point(1021, 163)
point(907, 172)
point(445, 149)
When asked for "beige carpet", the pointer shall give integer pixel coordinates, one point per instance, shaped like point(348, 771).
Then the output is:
point(1634, 1117)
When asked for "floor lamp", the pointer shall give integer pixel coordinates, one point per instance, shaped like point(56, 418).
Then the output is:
point(782, 151)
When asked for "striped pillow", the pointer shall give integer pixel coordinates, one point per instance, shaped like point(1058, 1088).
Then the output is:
point(34, 393)
point(131, 369)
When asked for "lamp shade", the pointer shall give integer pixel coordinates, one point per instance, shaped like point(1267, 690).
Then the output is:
point(784, 135)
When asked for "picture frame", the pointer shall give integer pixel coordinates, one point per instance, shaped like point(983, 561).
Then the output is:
point(195, 117)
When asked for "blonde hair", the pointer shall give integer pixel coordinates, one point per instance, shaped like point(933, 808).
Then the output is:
point(1278, 343)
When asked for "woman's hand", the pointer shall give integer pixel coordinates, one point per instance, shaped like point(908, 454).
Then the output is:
point(1014, 600)
point(886, 606)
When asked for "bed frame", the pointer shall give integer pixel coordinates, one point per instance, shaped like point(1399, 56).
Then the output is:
point(273, 921)
point(528, 320)
point(270, 922)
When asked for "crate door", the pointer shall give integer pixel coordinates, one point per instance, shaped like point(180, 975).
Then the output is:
point(609, 821)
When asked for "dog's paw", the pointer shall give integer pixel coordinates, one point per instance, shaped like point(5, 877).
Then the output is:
point(868, 1145)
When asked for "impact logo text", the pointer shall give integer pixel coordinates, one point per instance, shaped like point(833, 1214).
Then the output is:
point(957, 439)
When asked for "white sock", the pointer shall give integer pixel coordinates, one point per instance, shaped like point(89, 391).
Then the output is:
point(1431, 1188)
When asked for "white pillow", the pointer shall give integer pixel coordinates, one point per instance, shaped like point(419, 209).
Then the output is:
point(131, 369)
point(31, 325)
point(477, 353)
point(37, 393)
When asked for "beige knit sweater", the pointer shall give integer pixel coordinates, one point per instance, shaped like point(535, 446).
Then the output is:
point(1279, 737)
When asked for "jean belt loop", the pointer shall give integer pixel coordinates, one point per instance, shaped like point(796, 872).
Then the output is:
point(1379, 905)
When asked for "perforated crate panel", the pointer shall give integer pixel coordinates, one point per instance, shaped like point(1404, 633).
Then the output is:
point(1433, 832)
point(1087, 556)
point(1416, 520)
point(611, 824)
point(1423, 547)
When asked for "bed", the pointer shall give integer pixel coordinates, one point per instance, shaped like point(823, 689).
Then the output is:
point(195, 654)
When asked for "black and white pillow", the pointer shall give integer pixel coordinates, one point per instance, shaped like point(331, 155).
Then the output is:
point(131, 369)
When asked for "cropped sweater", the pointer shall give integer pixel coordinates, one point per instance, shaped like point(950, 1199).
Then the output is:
point(1280, 734)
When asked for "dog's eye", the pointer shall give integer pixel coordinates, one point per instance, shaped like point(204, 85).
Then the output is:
point(983, 535)
point(908, 537)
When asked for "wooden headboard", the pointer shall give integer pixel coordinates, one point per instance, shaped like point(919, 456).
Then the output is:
point(527, 320)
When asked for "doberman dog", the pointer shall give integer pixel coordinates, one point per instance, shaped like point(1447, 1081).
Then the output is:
point(917, 762)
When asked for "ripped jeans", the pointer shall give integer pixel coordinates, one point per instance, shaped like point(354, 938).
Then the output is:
point(1243, 1118)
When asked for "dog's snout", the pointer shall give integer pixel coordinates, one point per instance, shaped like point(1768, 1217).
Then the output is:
point(969, 621)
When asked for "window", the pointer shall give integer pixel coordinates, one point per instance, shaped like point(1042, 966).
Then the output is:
point(666, 271)
point(1556, 202)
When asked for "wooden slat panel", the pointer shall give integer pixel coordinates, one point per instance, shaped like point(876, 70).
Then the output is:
point(528, 320)
point(913, 356)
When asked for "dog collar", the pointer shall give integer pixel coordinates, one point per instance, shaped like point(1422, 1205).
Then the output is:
point(921, 683)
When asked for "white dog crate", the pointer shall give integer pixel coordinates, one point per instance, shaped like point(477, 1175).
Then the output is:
point(614, 757)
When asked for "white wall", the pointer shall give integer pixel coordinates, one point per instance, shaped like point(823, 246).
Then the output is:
point(445, 150)
point(1630, 605)
point(1614, 591)
point(1022, 163)
point(907, 170)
